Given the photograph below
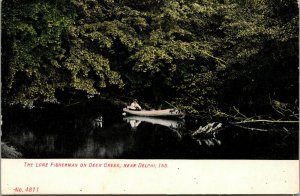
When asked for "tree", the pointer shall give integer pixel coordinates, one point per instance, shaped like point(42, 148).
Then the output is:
point(197, 54)
point(261, 48)
point(46, 53)
point(33, 49)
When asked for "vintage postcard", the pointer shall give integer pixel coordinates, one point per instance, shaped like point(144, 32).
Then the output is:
point(149, 97)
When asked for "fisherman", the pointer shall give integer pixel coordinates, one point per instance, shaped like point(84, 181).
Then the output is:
point(134, 106)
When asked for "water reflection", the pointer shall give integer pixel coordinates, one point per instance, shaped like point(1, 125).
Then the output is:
point(210, 142)
point(207, 135)
point(108, 149)
point(134, 121)
point(175, 125)
point(31, 142)
point(76, 139)
point(99, 136)
point(111, 142)
point(97, 122)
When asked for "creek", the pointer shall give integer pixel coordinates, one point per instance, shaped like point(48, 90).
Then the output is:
point(98, 132)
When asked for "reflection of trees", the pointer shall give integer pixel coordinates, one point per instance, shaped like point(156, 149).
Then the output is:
point(110, 142)
point(76, 138)
point(113, 148)
point(30, 142)
point(80, 137)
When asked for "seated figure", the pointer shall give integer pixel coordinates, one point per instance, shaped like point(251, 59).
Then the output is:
point(134, 106)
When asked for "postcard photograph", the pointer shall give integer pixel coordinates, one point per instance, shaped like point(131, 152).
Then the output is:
point(141, 84)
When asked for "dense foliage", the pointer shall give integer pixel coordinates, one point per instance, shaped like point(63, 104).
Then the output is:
point(196, 54)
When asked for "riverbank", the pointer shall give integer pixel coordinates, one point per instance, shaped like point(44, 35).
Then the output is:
point(9, 151)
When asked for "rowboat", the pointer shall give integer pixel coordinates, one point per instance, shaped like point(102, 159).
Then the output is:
point(155, 113)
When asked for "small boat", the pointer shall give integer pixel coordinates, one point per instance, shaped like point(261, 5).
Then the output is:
point(155, 113)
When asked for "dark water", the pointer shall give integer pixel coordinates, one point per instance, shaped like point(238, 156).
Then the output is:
point(104, 133)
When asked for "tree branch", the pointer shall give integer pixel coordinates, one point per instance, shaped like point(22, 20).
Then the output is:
point(268, 121)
